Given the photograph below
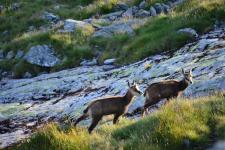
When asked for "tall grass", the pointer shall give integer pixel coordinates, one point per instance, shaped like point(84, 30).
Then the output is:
point(181, 124)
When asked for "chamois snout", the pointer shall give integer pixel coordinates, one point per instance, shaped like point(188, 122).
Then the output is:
point(135, 89)
point(188, 76)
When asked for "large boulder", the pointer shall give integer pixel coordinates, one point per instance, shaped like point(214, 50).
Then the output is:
point(42, 55)
point(142, 13)
point(109, 31)
point(71, 25)
point(109, 61)
point(158, 7)
point(128, 13)
point(189, 31)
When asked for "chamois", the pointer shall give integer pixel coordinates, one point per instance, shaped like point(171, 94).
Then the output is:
point(165, 89)
point(116, 105)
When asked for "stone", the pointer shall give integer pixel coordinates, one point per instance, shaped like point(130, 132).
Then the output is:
point(15, 6)
point(153, 11)
point(135, 9)
point(142, 13)
point(50, 17)
point(109, 61)
point(42, 55)
point(128, 13)
point(121, 6)
point(143, 4)
point(110, 30)
point(1, 54)
point(203, 43)
point(189, 31)
point(158, 7)
point(10, 55)
point(89, 62)
point(112, 16)
point(19, 54)
point(166, 8)
point(219, 145)
point(71, 25)
point(27, 75)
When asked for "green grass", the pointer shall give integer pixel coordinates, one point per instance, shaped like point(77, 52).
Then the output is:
point(167, 128)
point(158, 35)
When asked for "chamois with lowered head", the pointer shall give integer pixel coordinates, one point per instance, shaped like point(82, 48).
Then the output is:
point(116, 105)
point(166, 89)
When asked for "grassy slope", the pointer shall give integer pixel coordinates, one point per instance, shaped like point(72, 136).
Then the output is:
point(195, 121)
point(158, 35)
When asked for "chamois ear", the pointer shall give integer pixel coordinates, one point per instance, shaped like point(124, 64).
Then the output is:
point(190, 72)
point(183, 71)
point(128, 83)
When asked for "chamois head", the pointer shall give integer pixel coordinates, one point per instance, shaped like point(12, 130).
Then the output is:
point(134, 88)
point(188, 76)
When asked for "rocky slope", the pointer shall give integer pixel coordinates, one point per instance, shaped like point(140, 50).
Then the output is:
point(28, 103)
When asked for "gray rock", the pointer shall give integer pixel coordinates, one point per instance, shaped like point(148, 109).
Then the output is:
point(153, 11)
point(128, 13)
point(121, 6)
point(109, 61)
point(112, 16)
point(27, 75)
point(108, 31)
point(219, 145)
point(190, 31)
point(42, 55)
point(1, 54)
point(89, 62)
point(1, 8)
point(203, 43)
point(10, 55)
point(143, 4)
point(15, 6)
point(142, 13)
point(19, 54)
point(71, 25)
point(50, 17)
point(135, 9)
point(166, 8)
point(158, 7)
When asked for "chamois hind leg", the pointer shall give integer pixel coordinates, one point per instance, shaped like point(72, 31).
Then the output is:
point(146, 106)
point(116, 118)
point(84, 116)
point(95, 121)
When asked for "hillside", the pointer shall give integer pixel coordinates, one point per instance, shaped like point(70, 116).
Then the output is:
point(57, 56)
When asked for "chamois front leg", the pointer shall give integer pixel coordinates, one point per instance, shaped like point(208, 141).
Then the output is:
point(95, 121)
point(84, 116)
point(116, 118)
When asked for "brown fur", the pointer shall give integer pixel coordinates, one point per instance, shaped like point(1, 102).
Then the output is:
point(165, 89)
point(116, 105)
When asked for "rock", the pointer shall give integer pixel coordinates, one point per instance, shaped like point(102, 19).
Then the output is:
point(121, 6)
point(142, 13)
point(3, 119)
point(110, 30)
point(219, 145)
point(203, 43)
point(143, 4)
point(31, 28)
point(128, 13)
point(89, 62)
point(27, 75)
point(112, 16)
point(166, 8)
point(109, 61)
point(158, 7)
point(42, 55)
point(50, 17)
point(153, 11)
point(1, 54)
point(19, 54)
point(135, 9)
point(189, 31)
point(71, 25)
point(10, 55)
point(15, 6)
point(1, 8)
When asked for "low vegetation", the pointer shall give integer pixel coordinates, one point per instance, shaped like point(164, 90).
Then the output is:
point(182, 123)
point(158, 35)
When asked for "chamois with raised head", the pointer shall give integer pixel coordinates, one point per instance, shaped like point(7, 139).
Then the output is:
point(166, 90)
point(115, 105)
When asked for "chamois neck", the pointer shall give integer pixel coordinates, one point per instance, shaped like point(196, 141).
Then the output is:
point(128, 97)
point(183, 84)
